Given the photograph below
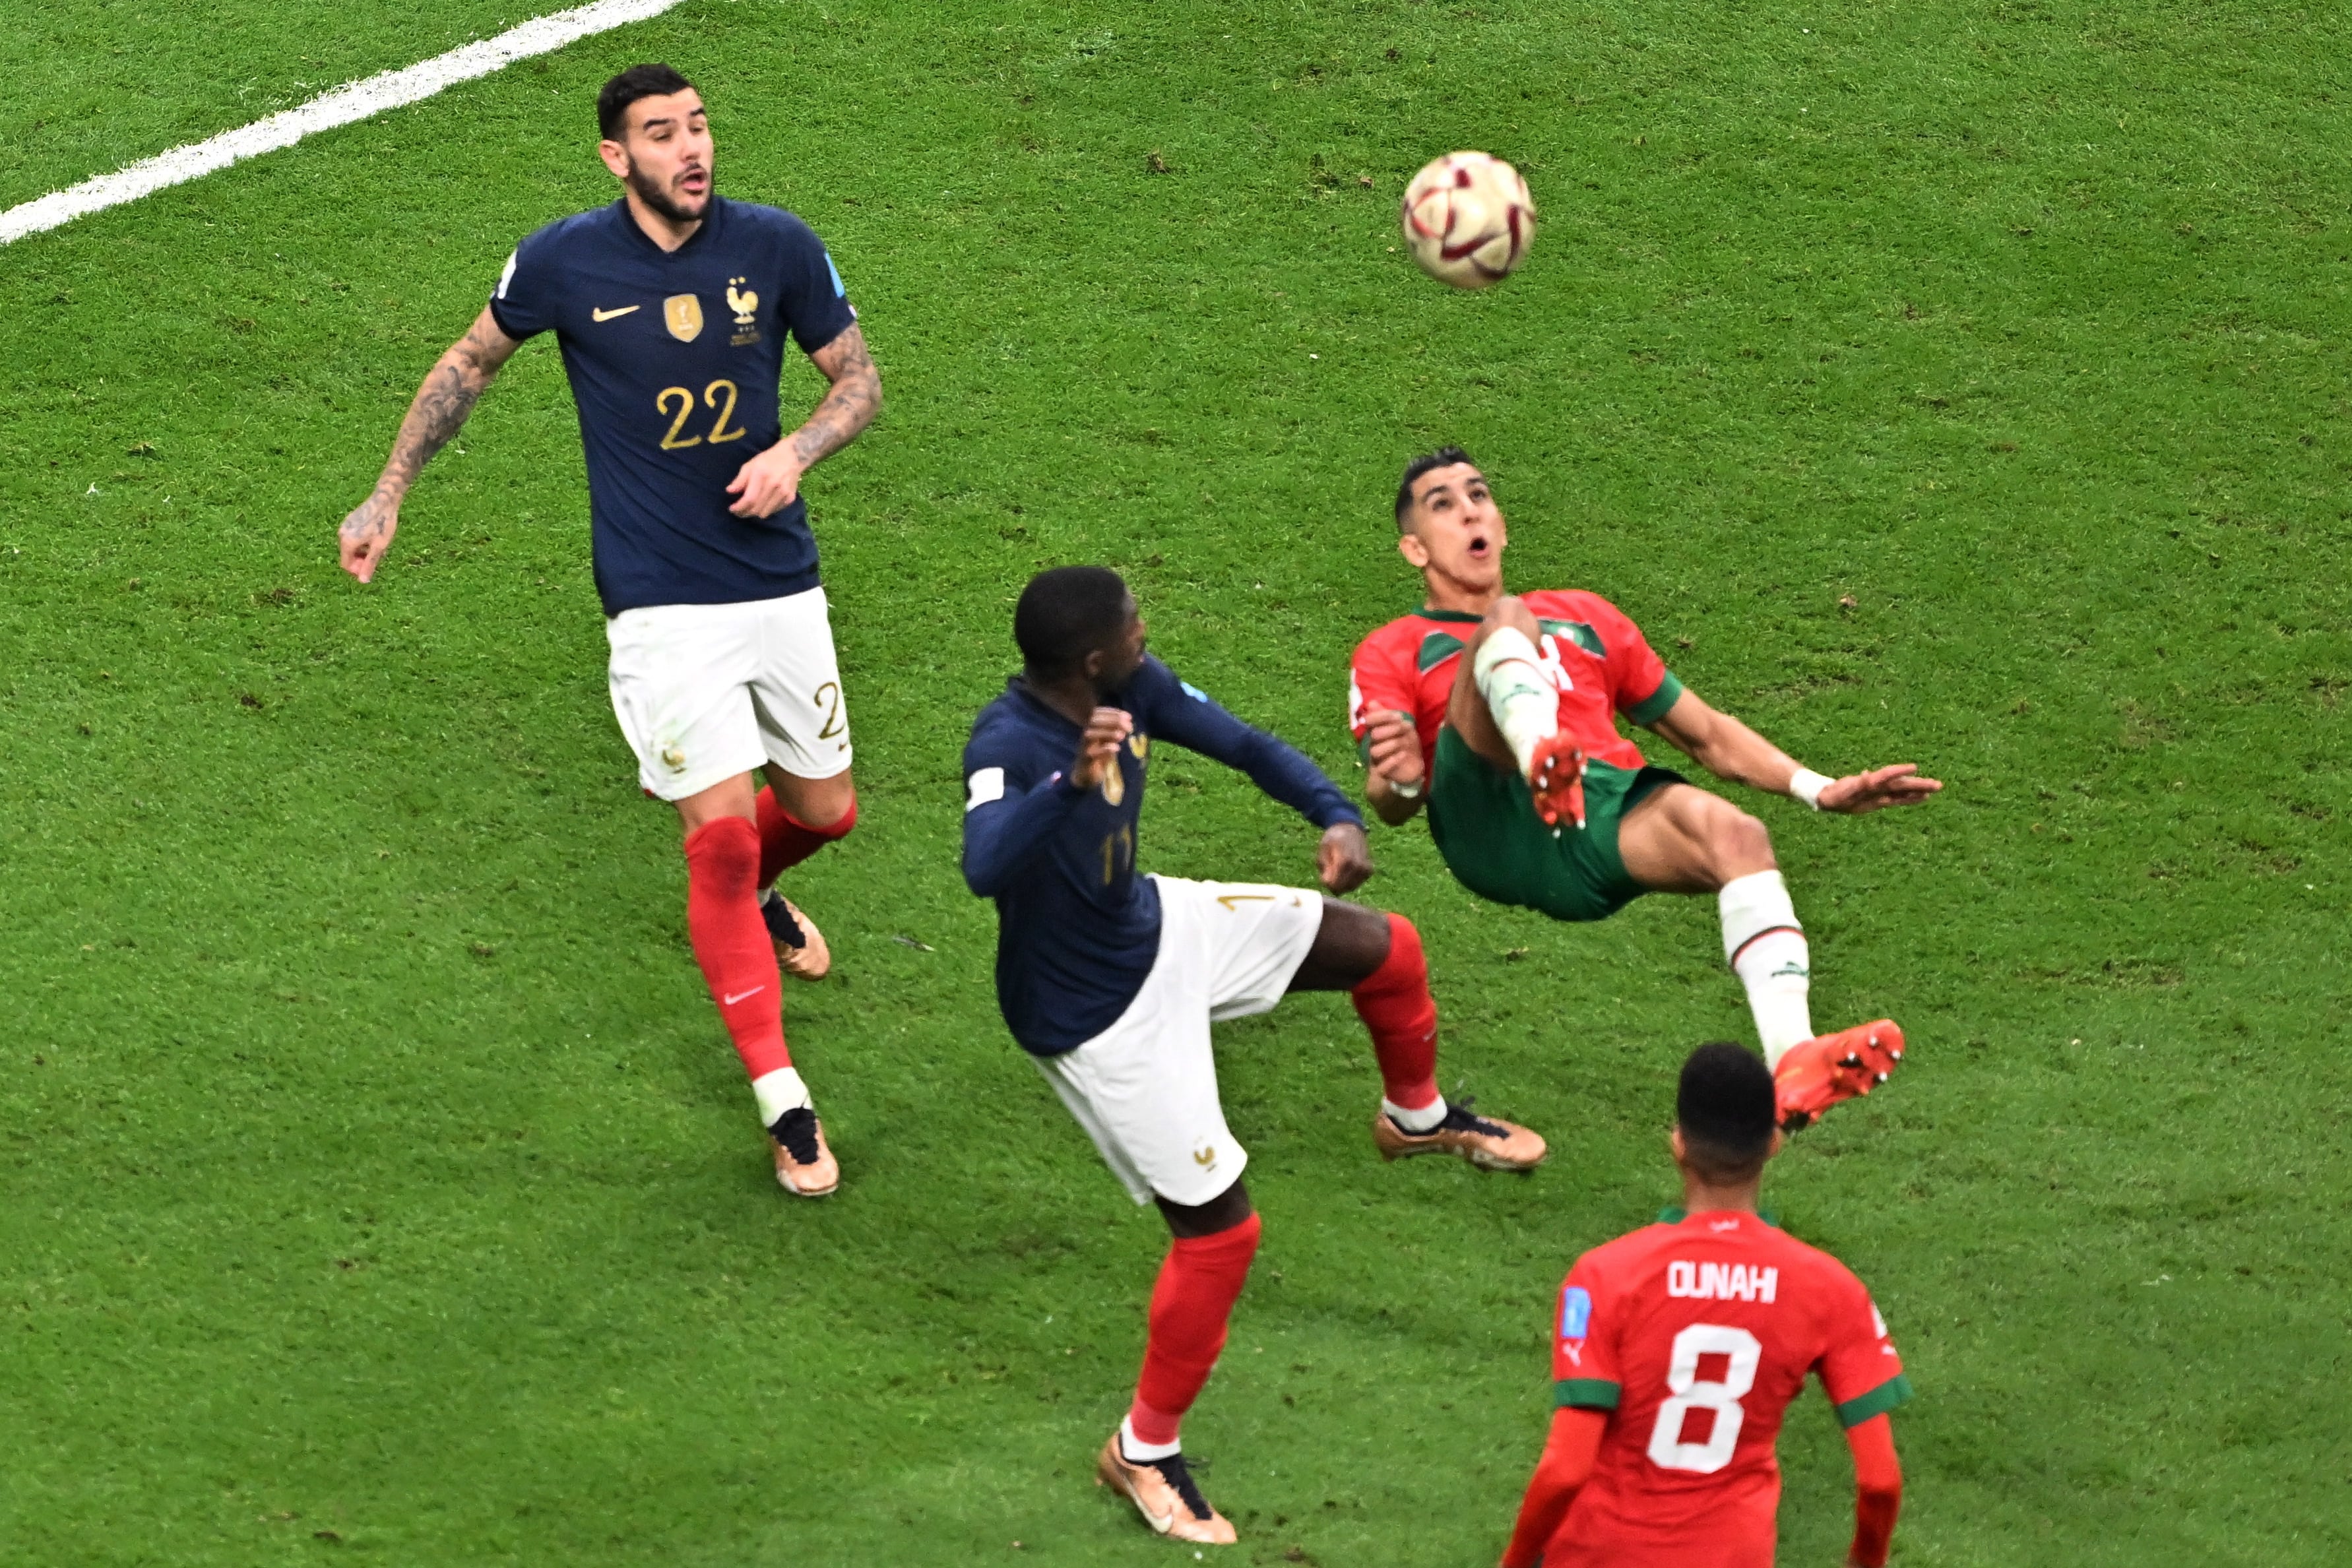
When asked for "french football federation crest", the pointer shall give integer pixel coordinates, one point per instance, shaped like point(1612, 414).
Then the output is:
point(683, 314)
point(743, 302)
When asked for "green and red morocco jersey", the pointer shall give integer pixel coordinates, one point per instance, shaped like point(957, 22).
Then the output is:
point(1592, 651)
point(1696, 1333)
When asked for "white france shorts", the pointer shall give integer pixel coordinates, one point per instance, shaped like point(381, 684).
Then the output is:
point(707, 691)
point(1146, 1088)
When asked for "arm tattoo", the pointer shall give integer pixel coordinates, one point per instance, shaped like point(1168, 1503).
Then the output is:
point(849, 405)
point(451, 388)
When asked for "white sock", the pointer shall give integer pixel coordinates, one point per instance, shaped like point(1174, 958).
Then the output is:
point(1136, 1448)
point(1524, 703)
point(1768, 951)
point(1421, 1121)
point(778, 1093)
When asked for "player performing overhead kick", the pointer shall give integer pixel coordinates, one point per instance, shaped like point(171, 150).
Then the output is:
point(1498, 713)
point(671, 306)
point(1676, 1349)
point(1110, 980)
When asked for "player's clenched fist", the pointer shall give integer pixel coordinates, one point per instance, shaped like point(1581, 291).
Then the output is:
point(1107, 729)
point(1343, 860)
point(1394, 749)
point(366, 534)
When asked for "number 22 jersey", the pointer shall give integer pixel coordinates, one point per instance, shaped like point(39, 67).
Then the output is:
point(674, 358)
point(1696, 1333)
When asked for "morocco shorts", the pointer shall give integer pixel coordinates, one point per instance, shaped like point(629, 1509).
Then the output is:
point(707, 691)
point(1484, 823)
point(1146, 1088)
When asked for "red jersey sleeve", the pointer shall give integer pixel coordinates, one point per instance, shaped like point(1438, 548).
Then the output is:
point(1860, 1370)
point(1586, 1331)
point(1639, 685)
point(1381, 679)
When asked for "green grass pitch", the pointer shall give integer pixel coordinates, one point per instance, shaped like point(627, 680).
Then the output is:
point(1962, 383)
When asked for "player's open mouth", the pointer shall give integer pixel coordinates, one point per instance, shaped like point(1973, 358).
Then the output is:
point(1477, 547)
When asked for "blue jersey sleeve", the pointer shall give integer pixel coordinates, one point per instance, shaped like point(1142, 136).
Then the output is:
point(1010, 814)
point(813, 301)
point(1183, 714)
point(525, 303)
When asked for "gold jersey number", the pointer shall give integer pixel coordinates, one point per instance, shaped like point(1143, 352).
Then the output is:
point(672, 441)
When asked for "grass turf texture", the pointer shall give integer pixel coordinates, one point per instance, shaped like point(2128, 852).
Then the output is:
point(1963, 385)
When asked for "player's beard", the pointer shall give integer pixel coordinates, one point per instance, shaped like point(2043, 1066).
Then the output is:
point(659, 199)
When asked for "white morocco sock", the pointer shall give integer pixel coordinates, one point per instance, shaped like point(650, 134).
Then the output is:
point(778, 1093)
point(1524, 703)
point(1135, 1449)
point(1768, 951)
point(1422, 1121)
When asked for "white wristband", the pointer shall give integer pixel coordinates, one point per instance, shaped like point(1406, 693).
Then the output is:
point(1404, 792)
point(1807, 785)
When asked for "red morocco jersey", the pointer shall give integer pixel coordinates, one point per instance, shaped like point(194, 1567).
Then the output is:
point(1696, 1333)
point(1591, 650)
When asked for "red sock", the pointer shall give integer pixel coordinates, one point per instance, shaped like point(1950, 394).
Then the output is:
point(1198, 1286)
point(1396, 1007)
point(732, 942)
point(785, 841)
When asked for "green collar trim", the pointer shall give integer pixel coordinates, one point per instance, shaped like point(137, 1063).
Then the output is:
point(1463, 616)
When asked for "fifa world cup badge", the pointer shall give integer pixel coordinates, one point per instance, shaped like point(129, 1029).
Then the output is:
point(683, 312)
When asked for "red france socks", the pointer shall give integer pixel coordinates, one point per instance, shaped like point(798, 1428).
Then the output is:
point(1397, 1009)
point(1191, 1304)
point(785, 841)
point(732, 942)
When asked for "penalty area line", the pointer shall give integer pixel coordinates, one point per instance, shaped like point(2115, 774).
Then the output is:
point(353, 101)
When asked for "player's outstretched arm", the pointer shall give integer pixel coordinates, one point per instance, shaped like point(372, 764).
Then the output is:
point(1729, 749)
point(769, 482)
point(452, 387)
point(1878, 1491)
point(1560, 1474)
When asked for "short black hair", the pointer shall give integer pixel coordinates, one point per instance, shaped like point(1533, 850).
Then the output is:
point(1444, 457)
point(1727, 1108)
point(1066, 614)
point(636, 82)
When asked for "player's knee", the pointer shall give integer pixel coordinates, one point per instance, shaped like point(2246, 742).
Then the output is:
point(1512, 611)
point(1742, 843)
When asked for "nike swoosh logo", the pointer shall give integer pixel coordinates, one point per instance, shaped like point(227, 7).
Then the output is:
point(608, 315)
point(741, 996)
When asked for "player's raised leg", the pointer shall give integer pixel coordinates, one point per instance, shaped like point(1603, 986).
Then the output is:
point(1681, 839)
point(1506, 706)
point(738, 964)
point(1378, 960)
point(796, 817)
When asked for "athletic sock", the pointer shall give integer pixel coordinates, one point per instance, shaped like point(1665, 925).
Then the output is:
point(1136, 1447)
point(785, 841)
point(1524, 703)
point(1191, 1304)
point(1767, 950)
point(731, 941)
point(1398, 1011)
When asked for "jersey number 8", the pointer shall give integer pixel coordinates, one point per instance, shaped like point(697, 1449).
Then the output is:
point(1721, 1399)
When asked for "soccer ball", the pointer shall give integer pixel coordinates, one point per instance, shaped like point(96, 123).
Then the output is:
point(1468, 219)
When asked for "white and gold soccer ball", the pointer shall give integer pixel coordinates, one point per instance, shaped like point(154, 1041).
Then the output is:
point(1468, 219)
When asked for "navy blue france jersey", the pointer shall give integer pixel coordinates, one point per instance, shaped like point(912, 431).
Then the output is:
point(1077, 928)
point(674, 358)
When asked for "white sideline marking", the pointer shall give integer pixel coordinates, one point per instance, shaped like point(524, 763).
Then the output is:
point(353, 102)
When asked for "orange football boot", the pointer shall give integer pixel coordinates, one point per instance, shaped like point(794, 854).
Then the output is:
point(1485, 1142)
point(801, 951)
point(817, 1174)
point(1164, 1492)
point(1555, 777)
point(1821, 1071)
